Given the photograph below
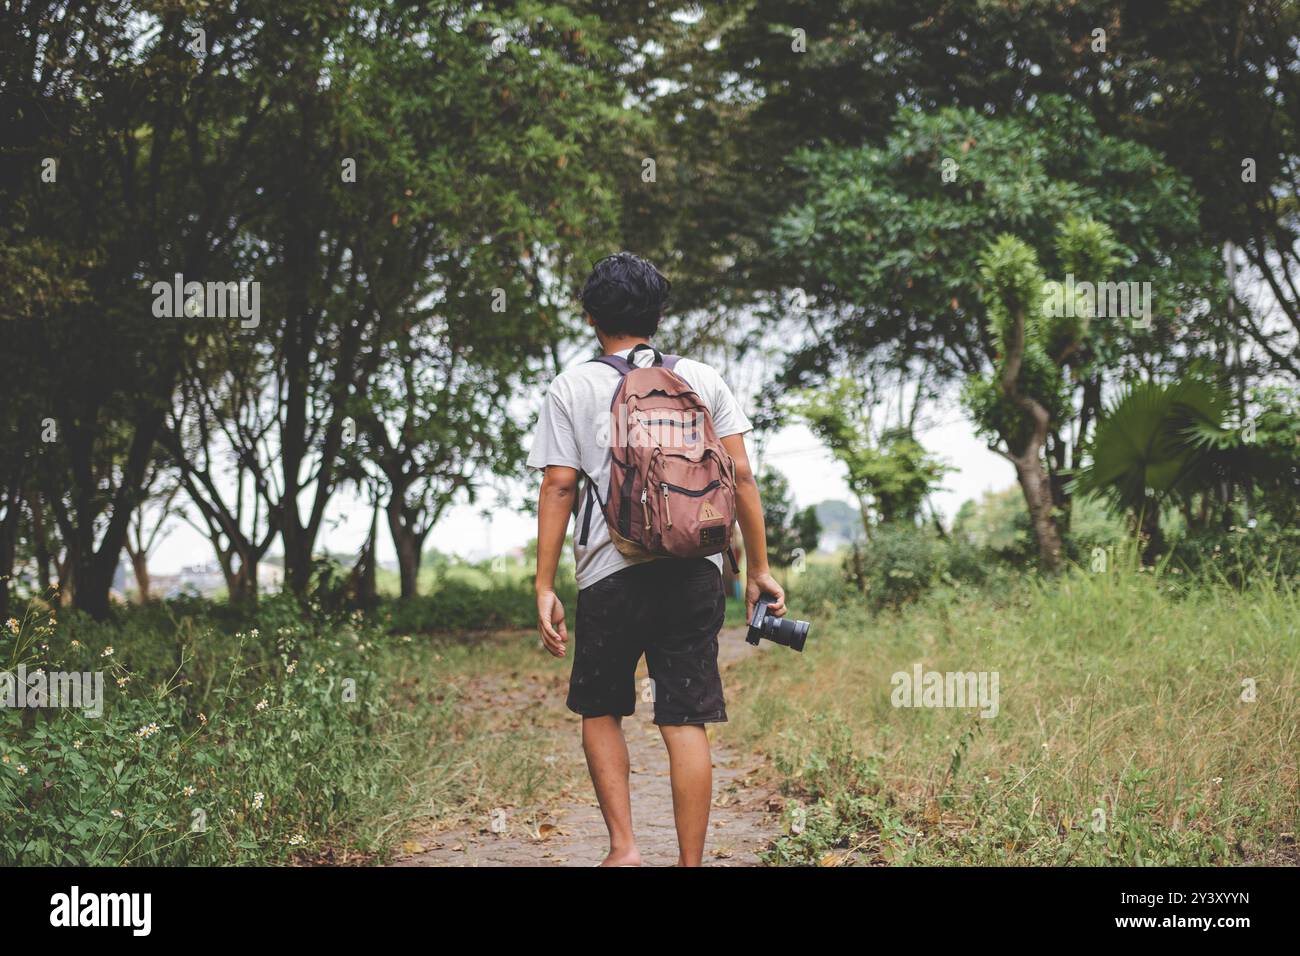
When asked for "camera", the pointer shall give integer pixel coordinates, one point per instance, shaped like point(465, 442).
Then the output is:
point(778, 630)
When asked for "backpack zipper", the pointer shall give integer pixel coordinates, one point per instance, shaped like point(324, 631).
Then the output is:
point(687, 491)
point(645, 507)
point(668, 515)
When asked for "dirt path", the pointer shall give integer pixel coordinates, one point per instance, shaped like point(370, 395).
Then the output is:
point(741, 824)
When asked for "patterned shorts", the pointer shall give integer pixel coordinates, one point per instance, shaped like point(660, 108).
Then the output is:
point(670, 610)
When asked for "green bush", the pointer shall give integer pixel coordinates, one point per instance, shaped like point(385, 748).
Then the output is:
point(997, 525)
point(814, 590)
point(213, 747)
point(899, 564)
point(463, 606)
point(995, 530)
point(1240, 556)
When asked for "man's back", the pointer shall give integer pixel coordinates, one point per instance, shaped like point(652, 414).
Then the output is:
point(574, 430)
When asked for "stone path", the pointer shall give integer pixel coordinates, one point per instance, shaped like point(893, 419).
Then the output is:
point(573, 834)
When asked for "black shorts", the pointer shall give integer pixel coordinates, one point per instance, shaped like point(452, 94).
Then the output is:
point(671, 610)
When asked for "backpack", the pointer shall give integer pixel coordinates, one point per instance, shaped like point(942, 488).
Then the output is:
point(672, 486)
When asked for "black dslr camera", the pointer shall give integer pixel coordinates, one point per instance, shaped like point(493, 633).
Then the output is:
point(779, 630)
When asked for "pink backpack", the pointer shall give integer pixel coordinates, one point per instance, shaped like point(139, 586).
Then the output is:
point(672, 486)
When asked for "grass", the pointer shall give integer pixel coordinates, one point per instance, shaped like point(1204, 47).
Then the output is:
point(504, 700)
point(288, 738)
point(1122, 735)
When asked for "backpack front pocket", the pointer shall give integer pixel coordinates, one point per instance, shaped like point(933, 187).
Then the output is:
point(694, 506)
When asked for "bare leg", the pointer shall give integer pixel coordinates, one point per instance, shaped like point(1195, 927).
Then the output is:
point(606, 749)
point(691, 770)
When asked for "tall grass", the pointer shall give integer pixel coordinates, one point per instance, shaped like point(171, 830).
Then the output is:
point(287, 737)
point(1126, 732)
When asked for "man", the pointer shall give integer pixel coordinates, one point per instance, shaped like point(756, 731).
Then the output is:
point(670, 609)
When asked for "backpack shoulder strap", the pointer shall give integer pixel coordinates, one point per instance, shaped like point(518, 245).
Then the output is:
point(592, 499)
point(625, 365)
point(616, 362)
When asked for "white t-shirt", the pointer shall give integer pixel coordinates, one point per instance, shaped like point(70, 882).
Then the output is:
point(573, 431)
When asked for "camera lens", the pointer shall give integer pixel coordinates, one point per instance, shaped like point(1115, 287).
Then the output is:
point(790, 633)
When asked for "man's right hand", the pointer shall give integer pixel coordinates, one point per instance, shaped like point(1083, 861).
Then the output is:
point(757, 584)
point(550, 622)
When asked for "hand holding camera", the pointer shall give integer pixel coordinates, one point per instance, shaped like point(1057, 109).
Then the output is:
point(778, 630)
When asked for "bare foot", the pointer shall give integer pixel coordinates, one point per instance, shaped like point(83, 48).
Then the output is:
point(623, 858)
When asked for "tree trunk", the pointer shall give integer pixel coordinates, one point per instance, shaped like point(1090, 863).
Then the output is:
point(1028, 457)
point(1062, 501)
point(140, 564)
point(67, 584)
point(409, 546)
point(246, 588)
point(1038, 496)
point(297, 560)
point(91, 593)
point(93, 569)
point(364, 574)
point(241, 582)
point(865, 513)
point(1153, 538)
point(8, 548)
point(41, 543)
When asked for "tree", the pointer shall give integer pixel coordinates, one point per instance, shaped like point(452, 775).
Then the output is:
point(887, 468)
point(1038, 334)
point(1164, 444)
point(423, 182)
point(1143, 453)
point(434, 435)
point(881, 239)
point(789, 532)
point(149, 526)
point(883, 243)
point(775, 78)
point(807, 529)
point(143, 143)
point(492, 229)
point(222, 421)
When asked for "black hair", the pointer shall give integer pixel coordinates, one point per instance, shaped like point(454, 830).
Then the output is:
point(625, 295)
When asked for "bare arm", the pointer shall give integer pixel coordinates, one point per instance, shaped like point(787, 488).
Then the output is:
point(749, 512)
point(554, 504)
